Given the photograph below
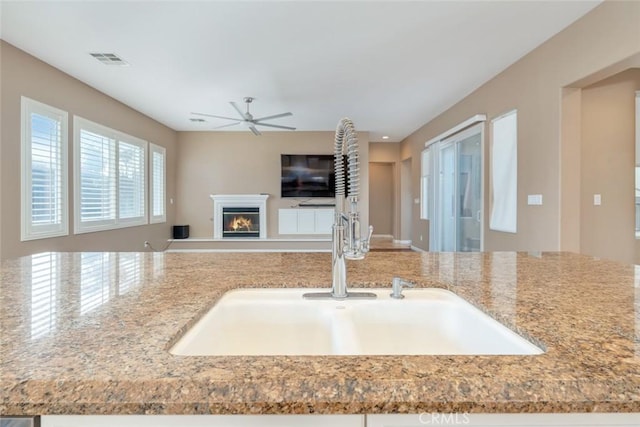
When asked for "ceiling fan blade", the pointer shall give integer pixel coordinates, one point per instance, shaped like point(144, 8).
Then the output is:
point(254, 130)
point(276, 126)
point(217, 117)
point(273, 117)
point(226, 126)
point(234, 105)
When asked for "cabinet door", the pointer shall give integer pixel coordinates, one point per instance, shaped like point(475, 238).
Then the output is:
point(287, 221)
point(306, 221)
point(324, 220)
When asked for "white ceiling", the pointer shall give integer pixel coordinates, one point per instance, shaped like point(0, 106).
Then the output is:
point(391, 66)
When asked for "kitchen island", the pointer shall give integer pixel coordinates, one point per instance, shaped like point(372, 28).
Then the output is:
point(89, 333)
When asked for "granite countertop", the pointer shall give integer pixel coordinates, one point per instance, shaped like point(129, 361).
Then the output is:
point(88, 333)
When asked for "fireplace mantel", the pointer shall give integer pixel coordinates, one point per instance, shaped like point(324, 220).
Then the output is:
point(237, 201)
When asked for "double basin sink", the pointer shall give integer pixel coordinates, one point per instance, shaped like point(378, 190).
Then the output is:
point(260, 322)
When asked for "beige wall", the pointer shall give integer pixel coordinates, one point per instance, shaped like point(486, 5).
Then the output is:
point(384, 152)
point(241, 163)
point(533, 86)
point(22, 74)
point(607, 167)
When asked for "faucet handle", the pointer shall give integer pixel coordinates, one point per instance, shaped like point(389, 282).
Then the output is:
point(359, 248)
point(397, 284)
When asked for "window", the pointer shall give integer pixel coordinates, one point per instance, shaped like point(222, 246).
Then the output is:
point(131, 176)
point(44, 171)
point(504, 172)
point(110, 186)
point(158, 184)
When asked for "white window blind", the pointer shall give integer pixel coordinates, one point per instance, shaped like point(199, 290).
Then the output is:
point(109, 178)
point(158, 184)
point(504, 172)
point(97, 178)
point(44, 171)
point(131, 180)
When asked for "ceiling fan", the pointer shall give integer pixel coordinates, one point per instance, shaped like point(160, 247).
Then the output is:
point(247, 118)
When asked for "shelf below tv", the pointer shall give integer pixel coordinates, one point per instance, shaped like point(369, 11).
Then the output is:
point(316, 205)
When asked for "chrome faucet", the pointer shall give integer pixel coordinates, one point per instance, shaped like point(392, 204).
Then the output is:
point(346, 242)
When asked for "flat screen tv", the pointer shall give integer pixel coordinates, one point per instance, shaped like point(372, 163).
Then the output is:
point(307, 175)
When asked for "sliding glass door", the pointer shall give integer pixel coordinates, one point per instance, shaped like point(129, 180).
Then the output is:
point(456, 199)
point(447, 209)
point(469, 196)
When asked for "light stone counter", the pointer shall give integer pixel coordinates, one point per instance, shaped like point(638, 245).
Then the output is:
point(88, 333)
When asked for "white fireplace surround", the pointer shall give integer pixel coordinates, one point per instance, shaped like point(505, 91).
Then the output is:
point(238, 201)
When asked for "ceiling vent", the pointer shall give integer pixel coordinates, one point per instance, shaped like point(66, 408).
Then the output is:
point(196, 120)
point(110, 59)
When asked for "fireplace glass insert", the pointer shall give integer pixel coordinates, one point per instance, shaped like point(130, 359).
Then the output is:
point(240, 222)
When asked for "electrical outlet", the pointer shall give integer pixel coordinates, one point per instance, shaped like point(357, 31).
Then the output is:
point(147, 244)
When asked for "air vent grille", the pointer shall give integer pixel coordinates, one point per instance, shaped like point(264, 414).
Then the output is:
point(109, 59)
point(197, 120)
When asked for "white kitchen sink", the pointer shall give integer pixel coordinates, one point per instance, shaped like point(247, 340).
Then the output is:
point(280, 322)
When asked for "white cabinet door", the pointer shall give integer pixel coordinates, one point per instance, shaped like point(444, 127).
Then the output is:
point(306, 221)
point(324, 220)
point(288, 221)
point(202, 421)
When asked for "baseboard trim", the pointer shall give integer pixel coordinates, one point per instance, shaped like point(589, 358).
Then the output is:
point(417, 249)
point(402, 242)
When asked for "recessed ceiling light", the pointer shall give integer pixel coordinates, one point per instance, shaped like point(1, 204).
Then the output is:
point(385, 137)
point(194, 119)
point(109, 59)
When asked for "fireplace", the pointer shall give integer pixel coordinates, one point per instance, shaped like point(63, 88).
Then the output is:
point(240, 222)
point(239, 216)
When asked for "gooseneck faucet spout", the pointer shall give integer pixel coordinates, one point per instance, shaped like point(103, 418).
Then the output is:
point(347, 241)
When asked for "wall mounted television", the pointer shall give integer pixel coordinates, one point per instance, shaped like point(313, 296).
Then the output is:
point(307, 175)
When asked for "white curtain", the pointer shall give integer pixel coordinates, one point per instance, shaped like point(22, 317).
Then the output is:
point(504, 173)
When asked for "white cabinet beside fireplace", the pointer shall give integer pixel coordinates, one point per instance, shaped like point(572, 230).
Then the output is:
point(305, 221)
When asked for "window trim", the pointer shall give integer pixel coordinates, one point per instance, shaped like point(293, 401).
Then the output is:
point(425, 183)
point(29, 231)
point(80, 124)
point(637, 168)
point(157, 219)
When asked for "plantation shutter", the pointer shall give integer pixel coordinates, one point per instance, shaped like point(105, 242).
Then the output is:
point(97, 178)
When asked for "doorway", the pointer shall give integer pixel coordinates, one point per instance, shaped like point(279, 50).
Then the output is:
point(381, 198)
